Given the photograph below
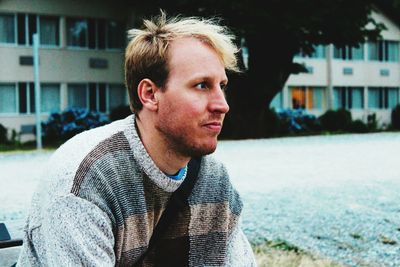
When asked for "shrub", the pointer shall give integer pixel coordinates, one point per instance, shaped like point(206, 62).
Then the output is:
point(61, 126)
point(297, 121)
point(358, 126)
point(372, 122)
point(3, 134)
point(336, 120)
point(395, 116)
point(120, 112)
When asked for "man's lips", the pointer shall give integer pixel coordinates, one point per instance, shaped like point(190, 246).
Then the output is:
point(213, 126)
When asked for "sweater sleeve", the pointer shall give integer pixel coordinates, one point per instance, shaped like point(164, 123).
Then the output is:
point(240, 253)
point(76, 232)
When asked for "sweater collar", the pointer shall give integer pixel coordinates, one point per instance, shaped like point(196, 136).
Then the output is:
point(144, 160)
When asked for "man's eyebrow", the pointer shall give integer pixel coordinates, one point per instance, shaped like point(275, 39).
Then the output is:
point(206, 77)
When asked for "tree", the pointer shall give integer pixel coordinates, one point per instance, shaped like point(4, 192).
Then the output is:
point(274, 32)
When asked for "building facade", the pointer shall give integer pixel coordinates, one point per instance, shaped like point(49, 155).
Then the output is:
point(81, 58)
point(364, 80)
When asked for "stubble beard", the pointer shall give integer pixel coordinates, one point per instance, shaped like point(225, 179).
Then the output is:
point(180, 143)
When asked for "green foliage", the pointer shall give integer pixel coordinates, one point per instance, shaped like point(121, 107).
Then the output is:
point(395, 116)
point(358, 126)
point(3, 134)
point(297, 121)
point(60, 127)
point(120, 112)
point(284, 245)
point(277, 244)
point(372, 122)
point(336, 120)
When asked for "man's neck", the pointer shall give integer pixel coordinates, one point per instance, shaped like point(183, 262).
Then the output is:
point(167, 160)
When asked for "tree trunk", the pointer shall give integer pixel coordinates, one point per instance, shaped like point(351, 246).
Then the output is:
point(250, 93)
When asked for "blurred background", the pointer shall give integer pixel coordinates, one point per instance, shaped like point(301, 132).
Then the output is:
point(310, 68)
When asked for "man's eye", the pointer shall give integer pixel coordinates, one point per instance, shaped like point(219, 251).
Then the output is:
point(223, 86)
point(202, 85)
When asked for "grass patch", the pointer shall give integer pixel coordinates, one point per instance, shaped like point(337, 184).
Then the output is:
point(387, 241)
point(356, 236)
point(280, 253)
point(26, 146)
point(16, 147)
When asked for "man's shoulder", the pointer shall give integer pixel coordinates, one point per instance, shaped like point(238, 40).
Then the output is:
point(210, 163)
point(71, 156)
point(78, 147)
point(214, 185)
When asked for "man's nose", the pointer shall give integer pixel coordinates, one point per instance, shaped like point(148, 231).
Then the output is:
point(218, 102)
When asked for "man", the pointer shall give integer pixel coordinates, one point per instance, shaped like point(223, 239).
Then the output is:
point(107, 188)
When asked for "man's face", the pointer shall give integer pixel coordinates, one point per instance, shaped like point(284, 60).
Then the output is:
point(192, 105)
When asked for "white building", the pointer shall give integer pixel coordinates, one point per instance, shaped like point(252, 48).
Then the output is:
point(81, 57)
point(364, 80)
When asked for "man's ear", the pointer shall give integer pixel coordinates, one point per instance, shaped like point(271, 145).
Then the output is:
point(147, 94)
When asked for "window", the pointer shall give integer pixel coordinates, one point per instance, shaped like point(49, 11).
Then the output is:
point(26, 97)
point(383, 97)
point(8, 98)
point(349, 53)
point(32, 27)
point(319, 52)
point(77, 95)
point(298, 97)
point(49, 30)
point(95, 33)
point(308, 97)
point(27, 25)
point(386, 51)
point(115, 35)
point(105, 98)
point(117, 95)
point(7, 29)
point(97, 97)
point(77, 32)
point(21, 99)
point(348, 97)
point(50, 97)
point(20, 28)
point(316, 98)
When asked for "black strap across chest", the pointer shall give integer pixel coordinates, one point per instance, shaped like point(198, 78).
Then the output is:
point(176, 203)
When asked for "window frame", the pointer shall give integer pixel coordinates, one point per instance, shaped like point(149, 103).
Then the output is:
point(41, 97)
point(96, 28)
point(385, 55)
point(307, 90)
point(39, 28)
point(348, 93)
point(86, 47)
point(16, 104)
point(383, 97)
point(348, 53)
point(301, 55)
point(87, 104)
point(126, 97)
point(15, 43)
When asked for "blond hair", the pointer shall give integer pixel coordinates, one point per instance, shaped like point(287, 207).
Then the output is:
point(146, 53)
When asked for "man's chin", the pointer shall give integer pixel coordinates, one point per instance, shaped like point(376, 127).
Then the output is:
point(203, 150)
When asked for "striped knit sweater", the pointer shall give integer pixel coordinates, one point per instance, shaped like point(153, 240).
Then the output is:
point(102, 196)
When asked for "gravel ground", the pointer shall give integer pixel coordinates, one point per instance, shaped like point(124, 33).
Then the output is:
point(334, 196)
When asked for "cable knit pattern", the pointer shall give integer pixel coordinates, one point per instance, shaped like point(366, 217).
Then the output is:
point(102, 195)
